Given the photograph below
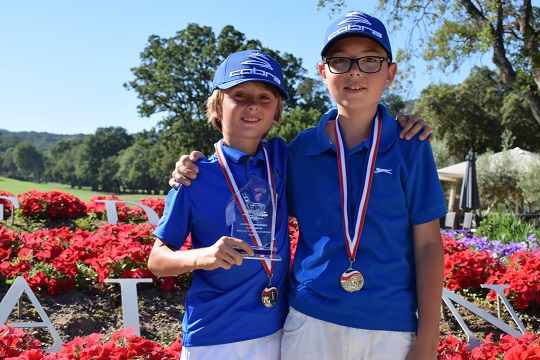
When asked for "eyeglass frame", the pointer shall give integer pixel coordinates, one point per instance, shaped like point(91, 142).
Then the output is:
point(356, 61)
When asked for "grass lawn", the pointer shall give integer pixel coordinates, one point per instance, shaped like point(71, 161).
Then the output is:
point(17, 187)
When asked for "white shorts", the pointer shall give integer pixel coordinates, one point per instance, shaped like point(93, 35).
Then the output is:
point(305, 337)
point(265, 348)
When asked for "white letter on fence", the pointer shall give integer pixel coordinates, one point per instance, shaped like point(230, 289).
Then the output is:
point(112, 215)
point(9, 301)
point(130, 309)
point(15, 203)
point(448, 296)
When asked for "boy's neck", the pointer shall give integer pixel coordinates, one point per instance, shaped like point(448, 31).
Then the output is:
point(355, 128)
point(250, 147)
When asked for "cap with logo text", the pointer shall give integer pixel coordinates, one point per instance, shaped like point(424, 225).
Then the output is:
point(357, 23)
point(246, 66)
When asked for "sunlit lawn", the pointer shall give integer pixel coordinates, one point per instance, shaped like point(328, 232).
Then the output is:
point(17, 187)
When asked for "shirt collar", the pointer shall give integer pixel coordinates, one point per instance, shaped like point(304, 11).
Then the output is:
point(319, 142)
point(237, 156)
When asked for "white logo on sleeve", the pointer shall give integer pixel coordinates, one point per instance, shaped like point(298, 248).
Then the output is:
point(379, 170)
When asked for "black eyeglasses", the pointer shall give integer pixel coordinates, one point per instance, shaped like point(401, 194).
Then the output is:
point(366, 64)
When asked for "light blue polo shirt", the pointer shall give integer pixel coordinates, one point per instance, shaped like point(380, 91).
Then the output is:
point(224, 306)
point(405, 191)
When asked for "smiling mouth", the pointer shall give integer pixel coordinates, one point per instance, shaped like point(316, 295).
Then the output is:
point(355, 87)
point(246, 119)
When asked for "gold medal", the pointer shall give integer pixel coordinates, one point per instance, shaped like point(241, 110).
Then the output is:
point(269, 296)
point(352, 280)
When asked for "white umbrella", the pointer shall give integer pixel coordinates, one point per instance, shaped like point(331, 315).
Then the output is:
point(521, 160)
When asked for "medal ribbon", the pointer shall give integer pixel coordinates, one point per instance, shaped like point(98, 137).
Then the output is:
point(267, 264)
point(352, 241)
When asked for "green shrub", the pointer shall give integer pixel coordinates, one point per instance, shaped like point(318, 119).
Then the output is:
point(506, 227)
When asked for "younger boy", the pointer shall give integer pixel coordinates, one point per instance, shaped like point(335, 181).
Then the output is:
point(235, 307)
point(368, 270)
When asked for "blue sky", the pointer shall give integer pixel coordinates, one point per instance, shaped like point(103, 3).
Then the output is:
point(63, 62)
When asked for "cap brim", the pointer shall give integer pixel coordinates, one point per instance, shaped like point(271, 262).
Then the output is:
point(230, 84)
point(353, 34)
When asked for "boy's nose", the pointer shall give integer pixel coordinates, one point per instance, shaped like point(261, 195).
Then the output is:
point(253, 106)
point(355, 69)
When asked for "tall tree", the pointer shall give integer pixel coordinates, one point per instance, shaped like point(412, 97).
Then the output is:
point(393, 102)
point(294, 121)
point(29, 161)
point(451, 31)
point(107, 174)
point(467, 115)
point(7, 165)
point(313, 94)
point(60, 164)
point(106, 142)
point(142, 165)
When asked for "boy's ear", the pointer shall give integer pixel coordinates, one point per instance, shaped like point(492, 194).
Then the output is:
point(322, 71)
point(391, 74)
point(215, 113)
point(279, 112)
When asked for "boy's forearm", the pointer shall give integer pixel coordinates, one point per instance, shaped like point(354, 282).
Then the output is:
point(164, 261)
point(429, 262)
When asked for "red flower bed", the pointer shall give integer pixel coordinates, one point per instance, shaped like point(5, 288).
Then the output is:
point(51, 205)
point(508, 348)
point(466, 269)
point(523, 277)
point(57, 260)
point(158, 205)
point(15, 344)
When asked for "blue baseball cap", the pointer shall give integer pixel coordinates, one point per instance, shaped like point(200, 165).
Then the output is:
point(357, 23)
point(246, 66)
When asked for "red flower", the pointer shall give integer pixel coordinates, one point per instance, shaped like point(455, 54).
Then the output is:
point(51, 205)
point(167, 283)
point(452, 348)
point(54, 287)
point(158, 205)
point(523, 278)
point(464, 268)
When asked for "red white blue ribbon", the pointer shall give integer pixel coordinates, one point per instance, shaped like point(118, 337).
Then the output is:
point(353, 239)
point(267, 264)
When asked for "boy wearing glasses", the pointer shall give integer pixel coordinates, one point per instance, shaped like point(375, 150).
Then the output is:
point(368, 270)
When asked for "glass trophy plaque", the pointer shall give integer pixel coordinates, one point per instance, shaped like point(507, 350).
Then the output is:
point(251, 216)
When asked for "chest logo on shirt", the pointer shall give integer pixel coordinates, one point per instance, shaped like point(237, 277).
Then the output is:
point(380, 170)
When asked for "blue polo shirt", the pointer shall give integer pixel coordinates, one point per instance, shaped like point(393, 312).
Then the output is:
point(224, 306)
point(405, 191)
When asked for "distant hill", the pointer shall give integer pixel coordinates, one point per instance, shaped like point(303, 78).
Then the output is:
point(41, 140)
